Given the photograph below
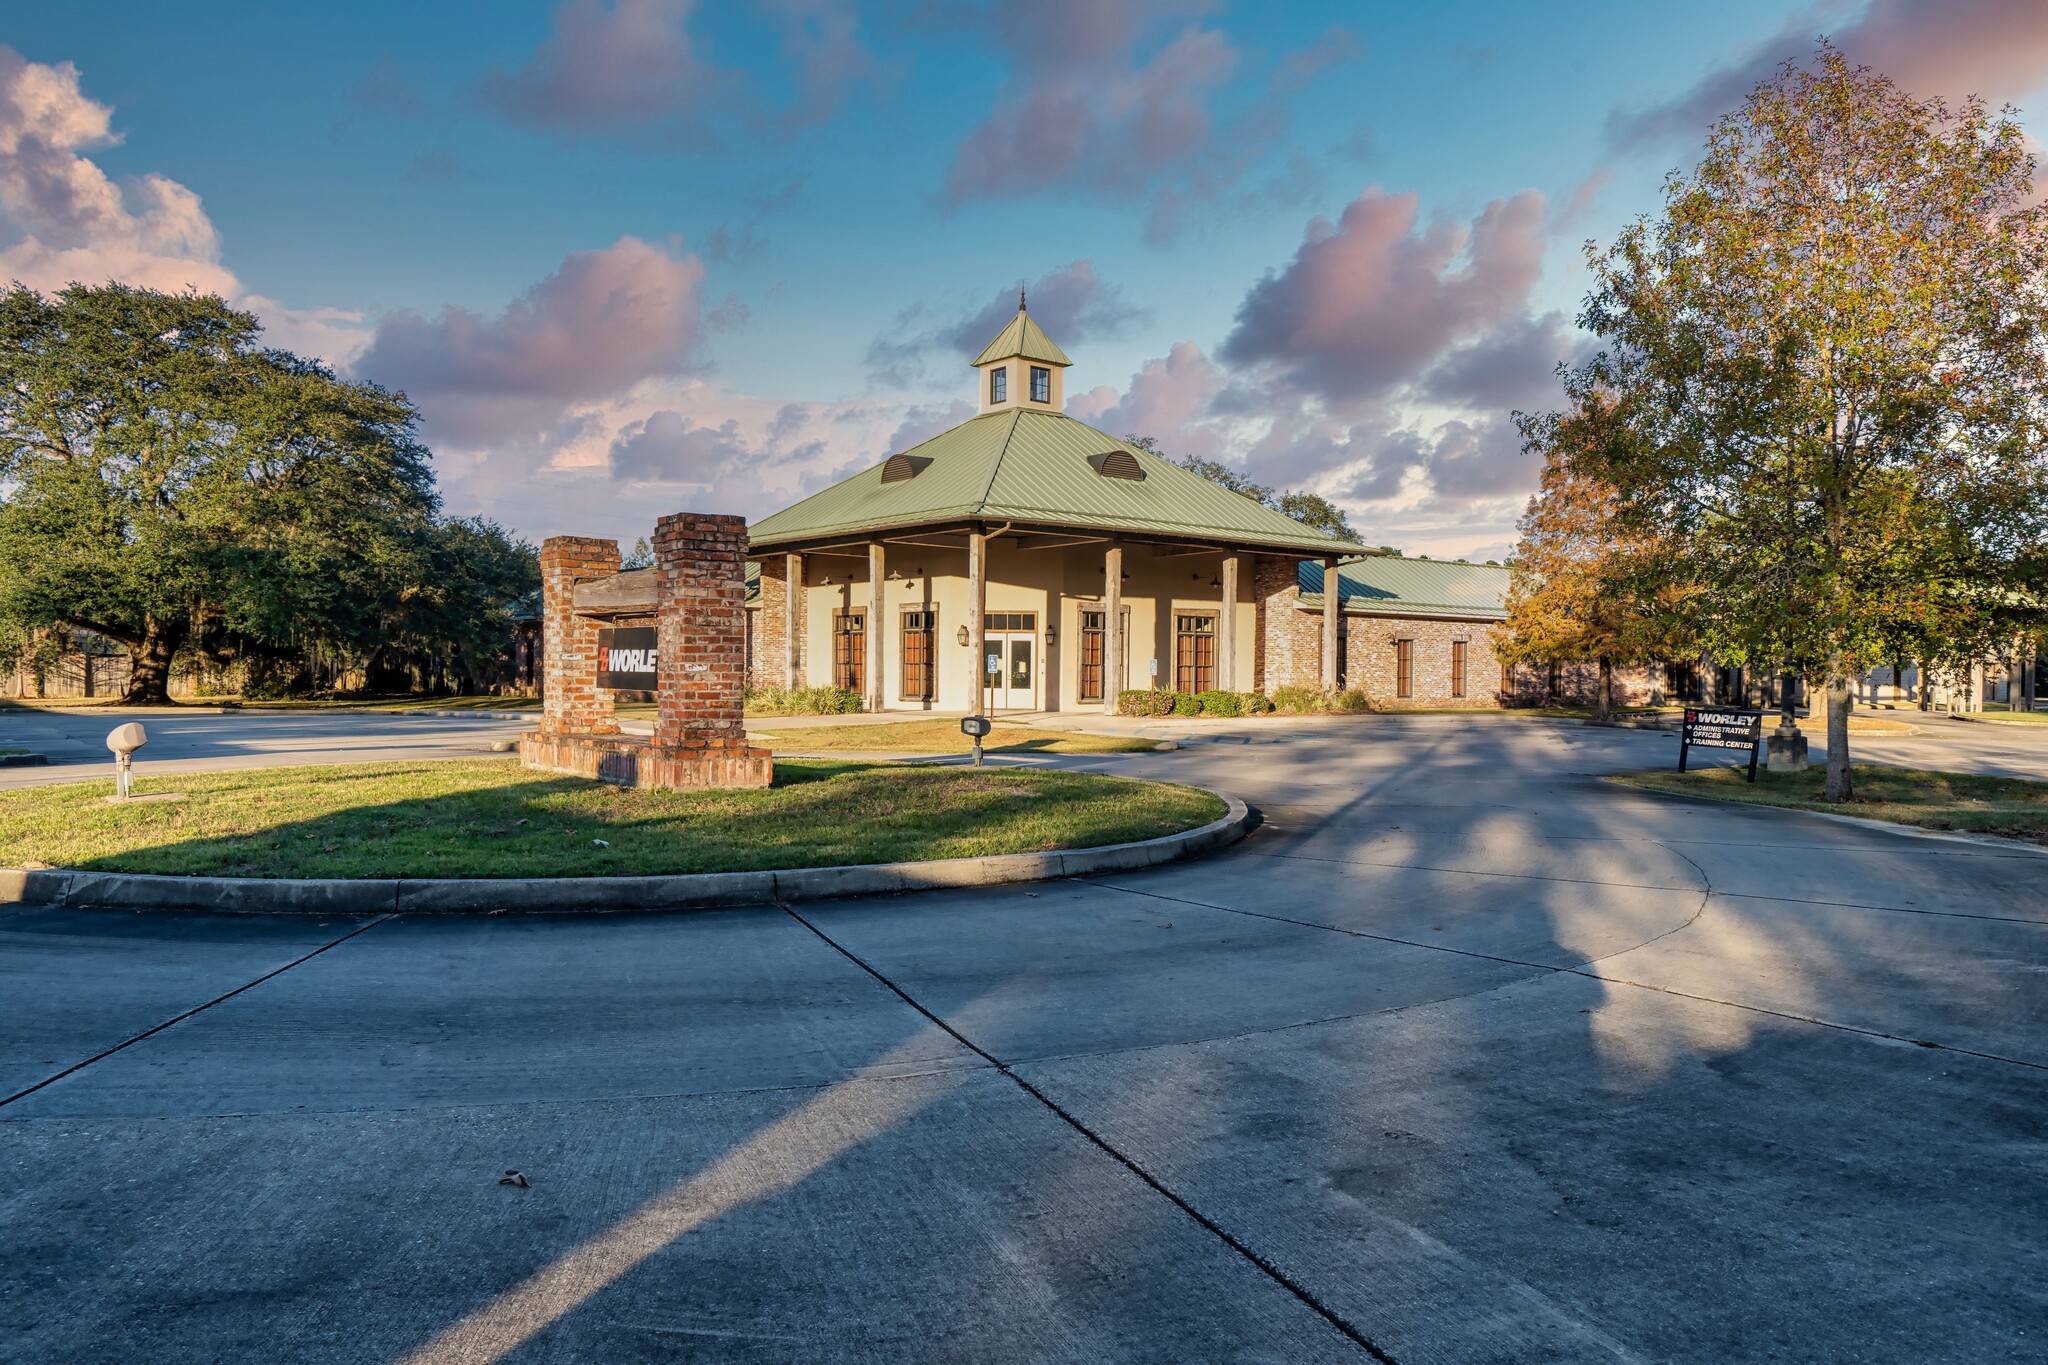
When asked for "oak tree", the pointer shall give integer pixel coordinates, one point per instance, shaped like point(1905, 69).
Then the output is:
point(1827, 370)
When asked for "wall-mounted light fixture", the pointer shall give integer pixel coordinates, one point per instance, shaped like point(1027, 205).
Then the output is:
point(1050, 635)
point(962, 637)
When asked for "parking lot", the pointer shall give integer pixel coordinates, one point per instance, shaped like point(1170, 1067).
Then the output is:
point(1463, 1056)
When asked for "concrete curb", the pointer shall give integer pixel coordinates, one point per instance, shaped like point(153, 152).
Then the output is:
point(371, 896)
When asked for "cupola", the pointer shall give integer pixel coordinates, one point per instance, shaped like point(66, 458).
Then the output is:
point(1021, 368)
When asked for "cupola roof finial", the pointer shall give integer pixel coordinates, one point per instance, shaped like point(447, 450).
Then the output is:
point(1020, 298)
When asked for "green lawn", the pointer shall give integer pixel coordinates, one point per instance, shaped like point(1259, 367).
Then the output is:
point(492, 818)
point(943, 737)
point(2010, 806)
point(2011, 717)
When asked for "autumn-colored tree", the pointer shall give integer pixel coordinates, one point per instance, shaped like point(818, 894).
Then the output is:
point(1585, 586)
point(1827, 368)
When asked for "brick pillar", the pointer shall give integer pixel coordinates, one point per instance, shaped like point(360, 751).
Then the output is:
point(771, 626)
point(702, 562)
point(570, 700)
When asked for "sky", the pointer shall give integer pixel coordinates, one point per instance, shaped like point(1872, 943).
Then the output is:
point(631, 257)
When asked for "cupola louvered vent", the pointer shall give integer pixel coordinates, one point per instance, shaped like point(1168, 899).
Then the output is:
point(1117, 464)
point(897, 468)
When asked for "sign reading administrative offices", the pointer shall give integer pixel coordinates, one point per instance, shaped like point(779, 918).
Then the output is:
point(1708, 728)
point(626, 658)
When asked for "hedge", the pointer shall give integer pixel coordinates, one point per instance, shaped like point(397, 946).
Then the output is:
point(1151, 701)
point(802, 701)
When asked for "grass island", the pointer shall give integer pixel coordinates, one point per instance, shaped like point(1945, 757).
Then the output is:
point(491, 818)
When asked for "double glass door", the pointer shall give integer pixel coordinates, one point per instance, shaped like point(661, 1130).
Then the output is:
point(1009, 679)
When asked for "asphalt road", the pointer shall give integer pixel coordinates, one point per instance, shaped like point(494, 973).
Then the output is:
point(1465, 1056)
point(187, 739)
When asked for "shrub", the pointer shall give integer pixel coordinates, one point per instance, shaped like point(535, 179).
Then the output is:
point(1186, 704)
point(1254, 703)
point(1220, 703)
point(802, 701)
point(1144, 701)
point(1299, 699)
point(1351, 699)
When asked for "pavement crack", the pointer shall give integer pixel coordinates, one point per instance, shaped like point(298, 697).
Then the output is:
point(196, 1009)
point(1273, 1272)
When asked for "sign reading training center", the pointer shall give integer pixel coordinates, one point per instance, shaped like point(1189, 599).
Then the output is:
point(625, 659)
point(1712, 729)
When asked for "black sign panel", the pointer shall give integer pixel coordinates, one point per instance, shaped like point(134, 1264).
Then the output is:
point(1709, 727)
point(625, 658)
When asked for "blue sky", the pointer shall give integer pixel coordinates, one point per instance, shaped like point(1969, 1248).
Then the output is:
point(640, 256)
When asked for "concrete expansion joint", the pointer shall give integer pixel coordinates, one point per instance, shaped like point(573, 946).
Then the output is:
point(687, 891)
point(1299, 1291)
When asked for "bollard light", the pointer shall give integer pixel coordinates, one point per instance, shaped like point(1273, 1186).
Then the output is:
point(124, 740)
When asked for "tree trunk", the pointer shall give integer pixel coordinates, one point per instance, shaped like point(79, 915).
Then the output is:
point(1603, 697)
point(1840, 697)
point(149, 676)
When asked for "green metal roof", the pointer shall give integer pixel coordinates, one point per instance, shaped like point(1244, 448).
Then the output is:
point(1031, 468)
point(1387, 585)
point(1022, 337)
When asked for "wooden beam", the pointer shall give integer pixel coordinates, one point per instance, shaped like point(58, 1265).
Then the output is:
point(876, 632)
point(1226, 628)
point(1112, 627)
point(632, 593)
point(977, 632)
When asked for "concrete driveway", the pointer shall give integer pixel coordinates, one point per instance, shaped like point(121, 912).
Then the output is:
point(1464, 1057)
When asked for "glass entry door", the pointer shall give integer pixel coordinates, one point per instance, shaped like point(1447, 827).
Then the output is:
point(1010, 666)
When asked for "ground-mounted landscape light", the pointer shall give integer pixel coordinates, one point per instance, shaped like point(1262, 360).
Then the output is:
point(124, 740)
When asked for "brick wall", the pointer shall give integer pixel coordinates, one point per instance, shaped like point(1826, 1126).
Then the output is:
point(1578, 684)
point(768, 649)
point(1372, 661)
point(702, 562)
point(1288, 650)
point(571, 702)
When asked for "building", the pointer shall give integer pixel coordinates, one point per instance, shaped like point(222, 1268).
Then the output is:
point(1025, 561)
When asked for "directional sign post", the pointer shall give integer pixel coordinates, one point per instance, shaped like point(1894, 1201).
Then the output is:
point(1715, 729)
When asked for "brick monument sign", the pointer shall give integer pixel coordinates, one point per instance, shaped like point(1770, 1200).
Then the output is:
point(694, 603)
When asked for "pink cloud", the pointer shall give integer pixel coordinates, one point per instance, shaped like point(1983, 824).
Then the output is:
point(632, 67)
point(69, 221)
point(629, 64)
point(601, 323)
point(1369, 303)
point(1167, 398)
point(1113, 97)
point(1994, 48)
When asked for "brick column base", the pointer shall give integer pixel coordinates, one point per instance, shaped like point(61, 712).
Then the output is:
point(631, 761)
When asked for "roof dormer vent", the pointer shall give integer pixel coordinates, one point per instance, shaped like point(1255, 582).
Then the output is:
point(1118, 464)
point(897, 468)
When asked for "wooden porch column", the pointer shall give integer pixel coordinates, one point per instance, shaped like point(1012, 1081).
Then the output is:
point(977, 632)
point(876, 633)
point(1112, 627)
point(1226, 629)
point(1331, 593)
point(793, 620)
